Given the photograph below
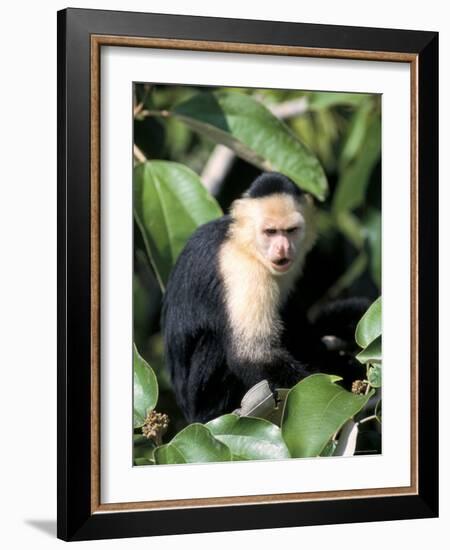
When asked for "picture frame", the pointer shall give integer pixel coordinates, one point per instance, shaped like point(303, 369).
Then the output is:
point(81, 36)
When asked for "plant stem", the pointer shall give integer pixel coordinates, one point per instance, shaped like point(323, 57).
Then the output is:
point(368, 418)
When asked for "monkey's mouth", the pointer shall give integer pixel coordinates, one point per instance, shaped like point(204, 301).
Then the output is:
point(282, 265)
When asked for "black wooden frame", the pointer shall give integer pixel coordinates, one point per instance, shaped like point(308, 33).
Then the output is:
point(75, 520)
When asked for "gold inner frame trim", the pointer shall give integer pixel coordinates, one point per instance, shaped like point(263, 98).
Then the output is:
point(97, 41)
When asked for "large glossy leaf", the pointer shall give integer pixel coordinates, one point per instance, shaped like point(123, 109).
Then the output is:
point(145, 389)
point(354, 180)
point(170, 202)
point(371, 353)
point(249, 438)
point(316, 408)
point(254, 134)
point(169, 454)
point(193, 444)
point(369, 326)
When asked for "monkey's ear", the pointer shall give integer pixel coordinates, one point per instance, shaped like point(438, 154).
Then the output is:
point(239, 208)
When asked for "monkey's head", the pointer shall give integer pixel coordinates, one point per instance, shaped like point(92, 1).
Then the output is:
point(274, 222)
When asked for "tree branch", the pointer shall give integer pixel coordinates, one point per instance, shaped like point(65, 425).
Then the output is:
point(138, 154)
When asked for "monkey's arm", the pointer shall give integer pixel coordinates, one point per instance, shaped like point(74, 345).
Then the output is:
point(281, 371)
point(340, 317)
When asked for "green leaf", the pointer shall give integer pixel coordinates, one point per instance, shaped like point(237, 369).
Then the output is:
point(178, 137)
point(169, 454)
point(194, 444)
point(317, 408)
point(143, 462)
point(374, 375)
point(369, 326)
point(329, 448)
point(354, 180)
point(145, 389)
point(372, 353)
point(143, 448)
point(249, 438)
point(170, 202)
point(247, 127)
point(378, 411)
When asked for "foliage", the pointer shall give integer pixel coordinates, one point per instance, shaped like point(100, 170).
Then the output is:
point(329, 144)
point(193, 444)
point(316, 408)
point(368, 335)
point(248, 128)
point(369, 327)
point(249, 438)
point(170, 202)
point(316, 418)
point(145, 389)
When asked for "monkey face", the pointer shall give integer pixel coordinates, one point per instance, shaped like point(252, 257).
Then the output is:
point(278, 245)
point(279, 233)
point(277, 230)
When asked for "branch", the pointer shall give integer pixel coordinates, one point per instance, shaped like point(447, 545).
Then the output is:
point(347, 440)
point(291, 108)
point(138, 154)
point(216, 168)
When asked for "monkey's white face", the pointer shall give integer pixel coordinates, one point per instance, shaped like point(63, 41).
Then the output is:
point(279, 233)
point(278, 244)
point(278, 230)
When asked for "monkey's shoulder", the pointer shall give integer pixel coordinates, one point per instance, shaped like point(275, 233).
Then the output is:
point(210, 235)
point(194, 278)
point(202, 248)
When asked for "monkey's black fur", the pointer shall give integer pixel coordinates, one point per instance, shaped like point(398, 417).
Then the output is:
point(195, 328)
point(270, 183)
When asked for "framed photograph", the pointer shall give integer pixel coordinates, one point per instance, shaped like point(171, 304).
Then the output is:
point(247, 286)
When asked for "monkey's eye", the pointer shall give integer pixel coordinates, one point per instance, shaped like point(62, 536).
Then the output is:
point(292, 229)
point(270, 231)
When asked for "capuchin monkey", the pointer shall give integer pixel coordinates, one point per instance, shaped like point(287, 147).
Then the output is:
point(222, 310)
